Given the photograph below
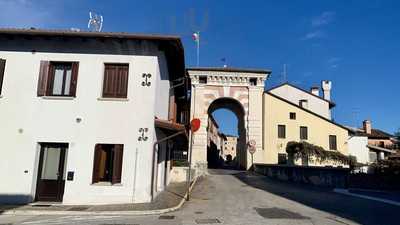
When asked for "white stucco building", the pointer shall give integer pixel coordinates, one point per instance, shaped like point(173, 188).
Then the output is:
point(77, 115)
point(310, 100)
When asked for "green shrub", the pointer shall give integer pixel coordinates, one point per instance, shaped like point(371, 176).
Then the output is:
point(304, 149)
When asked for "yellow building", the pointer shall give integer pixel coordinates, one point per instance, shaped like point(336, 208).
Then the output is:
point(286, 121)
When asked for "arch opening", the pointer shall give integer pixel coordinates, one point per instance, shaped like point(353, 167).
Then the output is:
point(226, 148)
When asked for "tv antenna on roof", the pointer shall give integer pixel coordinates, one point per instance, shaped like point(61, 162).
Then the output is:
point(95, 22)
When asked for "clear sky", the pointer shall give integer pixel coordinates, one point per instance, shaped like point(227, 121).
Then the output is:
point(353, 43)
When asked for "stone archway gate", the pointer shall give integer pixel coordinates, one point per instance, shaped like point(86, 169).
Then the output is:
point(245, 86)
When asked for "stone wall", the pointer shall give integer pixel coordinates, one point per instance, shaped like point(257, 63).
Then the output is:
point(319, 176)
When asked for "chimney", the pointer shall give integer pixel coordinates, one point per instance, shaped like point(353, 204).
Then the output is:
point(303, 103)
point(326, 88)
point(315, 90)
point(367, 126)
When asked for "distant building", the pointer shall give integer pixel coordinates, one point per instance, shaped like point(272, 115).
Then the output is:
point(379, 144)
point(293, 114)
point(310, 100)
point(215, 142)
point(229, 148)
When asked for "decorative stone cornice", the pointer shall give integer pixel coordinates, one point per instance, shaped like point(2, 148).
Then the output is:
point(224, 78)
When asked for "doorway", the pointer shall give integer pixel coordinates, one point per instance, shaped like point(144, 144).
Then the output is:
point(51, 173)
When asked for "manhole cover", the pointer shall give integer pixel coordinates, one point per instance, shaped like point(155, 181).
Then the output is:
point(277, 213)
point(207, 221)
point(78, 208)
point(166, 217)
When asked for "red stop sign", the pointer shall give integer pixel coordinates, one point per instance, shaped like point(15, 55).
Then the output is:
point(195, 125)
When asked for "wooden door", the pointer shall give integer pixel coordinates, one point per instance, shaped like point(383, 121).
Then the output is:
point(51, 180)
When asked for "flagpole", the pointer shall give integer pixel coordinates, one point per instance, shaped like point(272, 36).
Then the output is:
point(198, 49)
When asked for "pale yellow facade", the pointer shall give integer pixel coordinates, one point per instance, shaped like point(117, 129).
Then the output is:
point(229, 147)
point(276, 111)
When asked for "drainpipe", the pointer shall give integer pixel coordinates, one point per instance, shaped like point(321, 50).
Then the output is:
point(154, 158)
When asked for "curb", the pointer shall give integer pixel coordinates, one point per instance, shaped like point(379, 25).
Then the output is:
point(93, 213)
point(347, 192)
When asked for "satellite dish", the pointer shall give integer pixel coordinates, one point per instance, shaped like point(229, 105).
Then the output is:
point(95, 22)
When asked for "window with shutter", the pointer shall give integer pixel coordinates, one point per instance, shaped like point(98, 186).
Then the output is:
point(292, 115)
point(43, 78)
point(96, 164)
point(332, 142)
point(117, 164)
point(107, 165)
point(303, 133)
point(281, 131)
point(2, 69)
point(58, 78)
point(115, 82)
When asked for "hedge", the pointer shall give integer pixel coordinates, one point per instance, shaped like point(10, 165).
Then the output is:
point(303, 148)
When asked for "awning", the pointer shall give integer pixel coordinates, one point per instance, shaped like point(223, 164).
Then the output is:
point(169, 126)
point(380, 149)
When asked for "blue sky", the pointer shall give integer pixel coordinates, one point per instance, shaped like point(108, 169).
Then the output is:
point(353, 43)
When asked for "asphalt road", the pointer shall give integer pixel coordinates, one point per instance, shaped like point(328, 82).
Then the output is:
point(240, 198)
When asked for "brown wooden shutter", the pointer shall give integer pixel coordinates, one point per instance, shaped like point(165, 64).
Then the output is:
point(115, 83)
point(332, 142)
point(74, 80)
point(2, 68)
point(109, 74)
point(96, 164)
point(117, 164)
point(43, 78)
point(122, 81)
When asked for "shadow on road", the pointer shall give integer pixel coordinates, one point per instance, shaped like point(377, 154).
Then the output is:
point(362, 211)
point(224, 171)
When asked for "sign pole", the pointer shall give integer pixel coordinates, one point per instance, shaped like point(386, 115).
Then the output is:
point(252, 149)
point(190, 166)
point(194, 126)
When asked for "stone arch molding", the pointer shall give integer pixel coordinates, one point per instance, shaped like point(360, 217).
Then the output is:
point(246, 86)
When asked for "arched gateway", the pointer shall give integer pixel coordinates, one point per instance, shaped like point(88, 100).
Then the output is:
point(241, 91)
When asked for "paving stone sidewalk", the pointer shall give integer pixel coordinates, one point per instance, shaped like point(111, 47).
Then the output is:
point(169, 198)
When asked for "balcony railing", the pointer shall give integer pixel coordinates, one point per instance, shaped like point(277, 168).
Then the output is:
point(391, 147)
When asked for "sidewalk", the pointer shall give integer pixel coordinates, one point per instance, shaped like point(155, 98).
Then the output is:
point(169, 200)
point(387, 197)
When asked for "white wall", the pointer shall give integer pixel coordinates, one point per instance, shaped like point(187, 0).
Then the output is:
point(27, 120)
point(162, 89)
point(358, 147)
point(294, 95)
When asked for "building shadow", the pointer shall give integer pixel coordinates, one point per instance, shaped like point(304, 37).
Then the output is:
point(8, 202)
point(359, 210)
